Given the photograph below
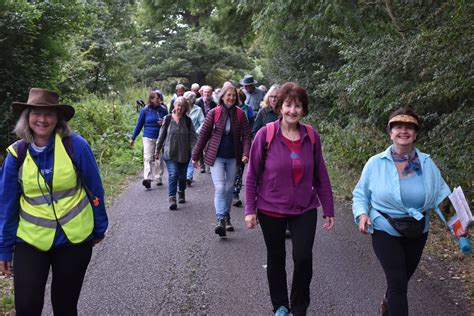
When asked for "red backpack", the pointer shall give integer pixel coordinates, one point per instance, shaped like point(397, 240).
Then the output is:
point(240, 114)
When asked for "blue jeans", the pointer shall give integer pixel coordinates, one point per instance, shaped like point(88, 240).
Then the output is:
point(190, 170)
point(223, 174)
point(176, 176)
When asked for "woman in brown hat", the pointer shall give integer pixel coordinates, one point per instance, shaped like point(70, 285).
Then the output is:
point(52, 208)
point(392, 201)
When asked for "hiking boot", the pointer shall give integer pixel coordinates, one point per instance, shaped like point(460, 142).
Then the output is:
point(282, 311)
point(236, 200)
point(146, 183)
point(189, 182)
point(181, 198)
point(228, 225)
point(203, 169)
point(173, 205)
point(220, 228)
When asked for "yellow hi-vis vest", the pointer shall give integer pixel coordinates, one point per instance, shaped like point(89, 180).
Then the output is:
point(44, 207)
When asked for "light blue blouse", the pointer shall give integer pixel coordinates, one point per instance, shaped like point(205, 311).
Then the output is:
point(379, 189)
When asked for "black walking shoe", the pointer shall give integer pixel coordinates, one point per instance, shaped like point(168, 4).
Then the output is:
point(236, 200)
point(228, 225)
point(159, 182)
point(181, 197)
point(220, 228)
point(189, 182)
point(384, 307)
point(146, 183)
point(173, 204)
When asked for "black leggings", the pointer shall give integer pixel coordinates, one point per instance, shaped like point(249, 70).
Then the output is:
point(31, 269)
point(399, 257)
point(303, 229)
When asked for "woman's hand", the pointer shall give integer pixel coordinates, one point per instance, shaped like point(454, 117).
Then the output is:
point(6, 268)
point(131, 142)
point(251, 221)
point(364, 222)
point(329, 223)
point(245, 159)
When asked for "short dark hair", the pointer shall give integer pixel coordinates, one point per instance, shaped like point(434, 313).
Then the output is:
point(292, 91)
point(404, 111)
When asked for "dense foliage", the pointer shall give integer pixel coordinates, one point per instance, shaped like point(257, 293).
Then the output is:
point(359, 60)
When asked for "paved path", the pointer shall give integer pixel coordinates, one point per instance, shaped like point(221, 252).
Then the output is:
point(156, 261)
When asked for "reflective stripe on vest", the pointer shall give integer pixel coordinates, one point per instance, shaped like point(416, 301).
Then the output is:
point(43, 206)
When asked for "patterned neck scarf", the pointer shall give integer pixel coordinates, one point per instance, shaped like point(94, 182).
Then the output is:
point(413, 163)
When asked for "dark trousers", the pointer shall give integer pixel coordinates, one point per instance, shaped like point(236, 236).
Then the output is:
point(238, 179)
point(31, 269)
point(399, 257)
point(303, 229)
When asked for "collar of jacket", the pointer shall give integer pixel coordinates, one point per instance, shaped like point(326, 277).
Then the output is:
point(301, 129)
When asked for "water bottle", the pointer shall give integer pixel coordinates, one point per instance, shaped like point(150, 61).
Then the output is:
point(465, 245)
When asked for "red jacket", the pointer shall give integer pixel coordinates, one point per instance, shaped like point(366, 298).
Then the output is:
point(211, 135)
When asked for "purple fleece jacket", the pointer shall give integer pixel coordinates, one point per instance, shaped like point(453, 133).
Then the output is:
point(277, 192)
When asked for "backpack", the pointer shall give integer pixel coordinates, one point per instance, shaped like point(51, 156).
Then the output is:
point(218, 112)
point(268, 141)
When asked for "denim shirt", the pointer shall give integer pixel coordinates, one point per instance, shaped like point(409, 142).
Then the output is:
point(379, 189)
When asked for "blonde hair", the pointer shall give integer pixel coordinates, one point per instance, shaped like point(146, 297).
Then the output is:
point(265, 102)
point(23, 131)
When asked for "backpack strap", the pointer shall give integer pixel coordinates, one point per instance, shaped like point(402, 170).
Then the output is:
point(310, 131)
point(67, 142)
point(217, 114)
point(188, 122)
point(21, 149)
point(270, 134)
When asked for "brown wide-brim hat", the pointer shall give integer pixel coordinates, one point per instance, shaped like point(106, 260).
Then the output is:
point(43, 98)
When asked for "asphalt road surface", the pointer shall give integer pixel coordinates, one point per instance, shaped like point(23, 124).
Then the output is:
point(160, 262)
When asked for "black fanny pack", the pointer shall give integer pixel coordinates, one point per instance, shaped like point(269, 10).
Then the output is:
point(407, 226)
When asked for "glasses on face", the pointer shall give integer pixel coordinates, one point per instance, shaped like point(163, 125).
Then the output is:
point(273, 97)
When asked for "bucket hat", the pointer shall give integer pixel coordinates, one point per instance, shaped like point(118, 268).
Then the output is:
point(248, 80)
point(43, 98)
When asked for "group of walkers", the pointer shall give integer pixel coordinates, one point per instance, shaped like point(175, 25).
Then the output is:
point(52, 201)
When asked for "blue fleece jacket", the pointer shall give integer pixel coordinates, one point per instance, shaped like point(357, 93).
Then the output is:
point(10, 191)
point(148, 117)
